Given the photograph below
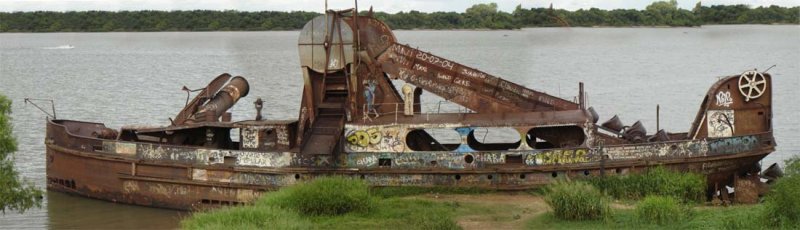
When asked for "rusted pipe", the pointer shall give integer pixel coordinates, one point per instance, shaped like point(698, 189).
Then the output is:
point(224, 100)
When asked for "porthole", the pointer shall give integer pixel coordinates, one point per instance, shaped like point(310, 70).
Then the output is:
point(489, 176)
point(458, 177)
point(522, 176)
point(469, 159)
point(297, 176)
point(554, 174)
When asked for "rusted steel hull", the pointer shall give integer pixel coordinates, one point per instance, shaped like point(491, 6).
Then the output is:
point(172, 178)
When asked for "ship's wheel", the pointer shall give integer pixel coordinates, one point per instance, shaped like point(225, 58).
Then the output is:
point(752, 85)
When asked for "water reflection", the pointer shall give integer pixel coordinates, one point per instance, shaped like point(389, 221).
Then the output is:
point(73, 212)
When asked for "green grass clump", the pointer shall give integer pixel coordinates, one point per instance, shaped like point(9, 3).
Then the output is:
point(577, 201)
point(661, 210)
point(733, 217)
point(687, 187)
point(324, 196)
point(328, 203)
point(246, 217)
point(782, 203)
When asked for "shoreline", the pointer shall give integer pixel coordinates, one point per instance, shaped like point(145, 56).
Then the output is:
point(462, 29)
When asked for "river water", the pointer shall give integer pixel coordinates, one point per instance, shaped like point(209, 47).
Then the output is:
point(135, 78)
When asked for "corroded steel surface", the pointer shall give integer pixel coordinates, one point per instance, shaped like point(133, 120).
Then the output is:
point(469, 87)
point(353, 121)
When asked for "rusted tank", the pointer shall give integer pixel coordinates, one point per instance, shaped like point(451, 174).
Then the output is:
point(354, 122)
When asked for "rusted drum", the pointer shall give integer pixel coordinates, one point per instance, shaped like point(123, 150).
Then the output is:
point(614, 124)
point(326, 36)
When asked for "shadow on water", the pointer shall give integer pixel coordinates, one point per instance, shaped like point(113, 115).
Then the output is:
point(73, 212)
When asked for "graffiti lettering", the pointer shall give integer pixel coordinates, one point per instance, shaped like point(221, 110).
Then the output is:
point(491, 158)
point(419, 67)
point(546, 100)
point(435, 60)
point(473, 74)
point(675, 149)
point(365, 137)
point(250, 138)
point(444, 77)
point(724, 99)
point(369, 160)
point(552, 157)
point(733, 145)
point(262, 159)
point(375, 139)
point(402, 50)
point(463, 82)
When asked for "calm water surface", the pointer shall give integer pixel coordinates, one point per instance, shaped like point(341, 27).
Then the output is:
point(135, 78)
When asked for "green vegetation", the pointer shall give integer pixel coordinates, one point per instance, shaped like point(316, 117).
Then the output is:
point(324, 196)
point(14, 194)
point(656, 181)
point(577, 201)
point(575, 205)
point(320, 204)
point(661, 210)
point(479, 16)
point(247, 217)
point(734, 217)
point(782, 205)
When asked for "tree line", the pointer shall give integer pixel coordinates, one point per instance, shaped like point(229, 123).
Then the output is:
point(479, 16)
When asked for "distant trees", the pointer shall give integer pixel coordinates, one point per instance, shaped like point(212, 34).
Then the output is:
point(479, 16)
point(196, 20)
point(742, 14)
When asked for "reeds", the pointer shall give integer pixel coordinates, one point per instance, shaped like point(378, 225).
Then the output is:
point(661, 210)
point(577, 201)
point(687, 187)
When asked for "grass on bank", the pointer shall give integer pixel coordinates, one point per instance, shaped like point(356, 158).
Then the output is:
point(577, 201)
point(733, 217)
point(661, 208)
point(308, 206)
point(688, 187)
point(328, 203)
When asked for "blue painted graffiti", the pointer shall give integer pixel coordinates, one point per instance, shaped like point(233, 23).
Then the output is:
point(732, 145)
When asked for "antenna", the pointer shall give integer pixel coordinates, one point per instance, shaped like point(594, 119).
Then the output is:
point(765, 71)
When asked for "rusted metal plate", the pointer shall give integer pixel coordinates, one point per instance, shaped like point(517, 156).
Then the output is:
point(466, 86)
point(321, 41)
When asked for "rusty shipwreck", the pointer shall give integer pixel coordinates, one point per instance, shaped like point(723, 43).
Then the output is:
point(355, 121)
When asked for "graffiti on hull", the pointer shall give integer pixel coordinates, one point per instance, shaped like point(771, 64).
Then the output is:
point(658, 150)
point(380, 138)
point(733, 145)
point(558, 157)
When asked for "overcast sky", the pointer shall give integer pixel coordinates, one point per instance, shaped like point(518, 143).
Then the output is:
point(391, 6)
